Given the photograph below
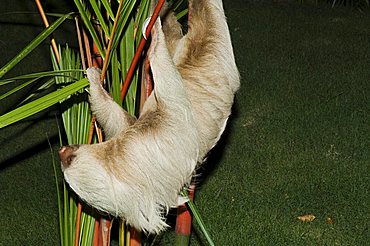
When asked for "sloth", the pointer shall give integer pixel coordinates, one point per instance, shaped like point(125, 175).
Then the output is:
point(138, 172)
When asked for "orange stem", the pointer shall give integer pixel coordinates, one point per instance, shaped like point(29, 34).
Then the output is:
point(149, 80)
point(96, 233)
point(105, 65)
point(87, 48)
point(97, 60)
point(78, 219)
point(46, 23)
point(80, 45)
point(135, 237)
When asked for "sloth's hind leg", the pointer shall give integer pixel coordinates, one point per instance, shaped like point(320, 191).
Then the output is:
point(109, 114)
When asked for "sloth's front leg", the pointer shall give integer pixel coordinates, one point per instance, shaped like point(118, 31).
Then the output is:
point(109, 114)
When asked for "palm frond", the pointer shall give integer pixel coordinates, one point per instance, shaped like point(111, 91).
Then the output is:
point(41, 103)
point(99, 16)
point(38, 75)
point(85, 16)
point(32, 45)
point(108, 9)
point(19, 87)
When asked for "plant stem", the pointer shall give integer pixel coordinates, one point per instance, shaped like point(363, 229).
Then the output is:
point(140, 48)
point(183, 221)
point(105, 65)
point(198, 218)
point(46, 23)
point(79, 210)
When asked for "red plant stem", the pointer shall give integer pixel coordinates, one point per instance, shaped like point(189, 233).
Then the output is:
point(78, 219)
point(97, 61)
point(149, 80)
point(143, 90)
point(87, 48)
point(96, 233)
point(183, 220)
point(92, 128)
point(100, 235)
point(135, 237)
point(140, 48)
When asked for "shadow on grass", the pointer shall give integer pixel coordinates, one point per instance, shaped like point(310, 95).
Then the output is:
point(215, 155)
point(10, 155)
point(25, 154)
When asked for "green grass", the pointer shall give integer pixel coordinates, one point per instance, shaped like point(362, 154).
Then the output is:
point(298, 142)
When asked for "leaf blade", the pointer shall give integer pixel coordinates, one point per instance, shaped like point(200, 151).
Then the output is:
point(41, 103)
point(31, 46)
point(41, 75)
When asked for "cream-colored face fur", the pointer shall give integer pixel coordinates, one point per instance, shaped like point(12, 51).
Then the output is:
point(138, 172)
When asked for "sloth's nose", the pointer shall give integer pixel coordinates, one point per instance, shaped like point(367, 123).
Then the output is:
point(67, 154)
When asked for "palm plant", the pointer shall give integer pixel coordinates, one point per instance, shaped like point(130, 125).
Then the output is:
point(108, 34)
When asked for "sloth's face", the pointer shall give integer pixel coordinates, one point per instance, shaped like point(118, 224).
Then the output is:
point(67, 154)
point(86, 175)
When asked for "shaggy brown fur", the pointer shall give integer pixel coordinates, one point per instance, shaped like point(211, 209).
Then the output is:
point(138, 173)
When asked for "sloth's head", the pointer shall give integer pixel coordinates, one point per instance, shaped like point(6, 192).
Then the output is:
point(88, 177)
point(67, 154)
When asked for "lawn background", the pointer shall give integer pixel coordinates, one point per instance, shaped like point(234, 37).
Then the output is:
point(297, 143)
